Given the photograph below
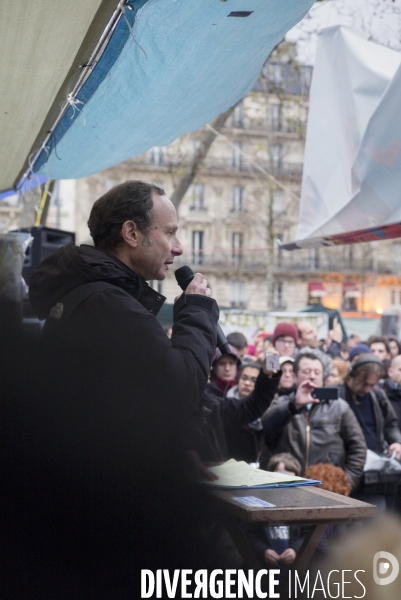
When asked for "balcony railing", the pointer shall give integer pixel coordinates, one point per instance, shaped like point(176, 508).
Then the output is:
point(285, 170)
point(266, 124)
point(284, 262)
point(220, 259)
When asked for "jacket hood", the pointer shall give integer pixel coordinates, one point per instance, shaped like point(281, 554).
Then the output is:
point(71, 266)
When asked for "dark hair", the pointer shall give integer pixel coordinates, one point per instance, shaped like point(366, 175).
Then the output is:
point(253, 365)
point(310, 355)
point(393, 338)
point(379, 339)
point(129, 201)
point(290, 462)
point(237, 339)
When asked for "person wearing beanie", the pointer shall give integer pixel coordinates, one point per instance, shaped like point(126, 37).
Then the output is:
point(357, 350)
point(285, 338)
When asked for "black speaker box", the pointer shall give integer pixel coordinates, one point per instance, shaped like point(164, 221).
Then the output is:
point(45, 241)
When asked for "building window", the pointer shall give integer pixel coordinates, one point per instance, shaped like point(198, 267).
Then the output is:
point(279, 251)
point(276, 117)
point(278, 295)
point(237, 156)
point(349, 256)
point(238, 116)
point(278, 203)
point(276, 158)
point(275, 74)
point(157, 156)
point(237, 246)
point(197, 197)
point(197, 247)
point(238, 294)
point(305, 79)
point(195, 146)
point(237, 199)
point(314, 261)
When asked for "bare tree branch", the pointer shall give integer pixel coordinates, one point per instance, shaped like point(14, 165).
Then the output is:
point(200, 155)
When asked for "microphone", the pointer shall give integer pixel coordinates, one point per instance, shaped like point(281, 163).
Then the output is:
point(184, 275)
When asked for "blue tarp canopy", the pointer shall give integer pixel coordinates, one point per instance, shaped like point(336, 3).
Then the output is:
point(166, 68)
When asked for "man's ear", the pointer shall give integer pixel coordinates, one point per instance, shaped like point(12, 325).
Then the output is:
point(129, 233)
point(390, 372)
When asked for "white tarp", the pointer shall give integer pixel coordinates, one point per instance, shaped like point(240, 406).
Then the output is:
point(352, 169)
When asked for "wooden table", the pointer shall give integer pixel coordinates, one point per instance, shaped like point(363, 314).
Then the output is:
point(306, 505)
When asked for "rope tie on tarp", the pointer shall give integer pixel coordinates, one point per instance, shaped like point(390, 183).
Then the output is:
point(73, 102)
point(123, 7)
point(32, 177)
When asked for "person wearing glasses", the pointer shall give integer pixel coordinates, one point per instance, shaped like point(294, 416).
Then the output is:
point(285, 339)
point(246, 379)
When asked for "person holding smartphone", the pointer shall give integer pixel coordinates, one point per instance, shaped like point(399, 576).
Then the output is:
point(314, 430)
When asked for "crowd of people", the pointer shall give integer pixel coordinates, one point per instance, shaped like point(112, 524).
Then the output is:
point(115, 413)
point(291, 430)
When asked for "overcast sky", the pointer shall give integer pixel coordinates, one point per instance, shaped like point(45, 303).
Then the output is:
point(380, 19)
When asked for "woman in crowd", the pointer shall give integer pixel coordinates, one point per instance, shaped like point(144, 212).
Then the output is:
point(337, 373)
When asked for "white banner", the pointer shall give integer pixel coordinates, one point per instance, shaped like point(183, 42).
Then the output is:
point(352, 167)
point(250, 322)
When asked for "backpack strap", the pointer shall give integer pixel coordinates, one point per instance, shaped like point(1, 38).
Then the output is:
point(69, 302)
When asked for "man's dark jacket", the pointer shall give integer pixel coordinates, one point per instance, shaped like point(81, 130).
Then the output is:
point(387, 430)
point(115, 395)
point(335, 435)
point(393, 393)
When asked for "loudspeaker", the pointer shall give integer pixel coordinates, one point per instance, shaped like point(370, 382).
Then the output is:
point(45, 241)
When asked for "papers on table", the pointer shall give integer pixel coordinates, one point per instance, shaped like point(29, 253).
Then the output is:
point(238, 474)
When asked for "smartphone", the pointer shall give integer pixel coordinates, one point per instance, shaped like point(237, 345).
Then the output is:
point(272, 362)
point(326, 393)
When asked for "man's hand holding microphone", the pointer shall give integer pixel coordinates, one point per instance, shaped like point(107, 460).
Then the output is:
point(198, 285)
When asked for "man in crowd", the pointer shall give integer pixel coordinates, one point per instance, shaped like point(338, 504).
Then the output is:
point(115, 396)
point(285, 338)
point(379, 346)
point(371, 406)
point(377, 418)
point(311, 430)
point(239, 342)
point(307, 335)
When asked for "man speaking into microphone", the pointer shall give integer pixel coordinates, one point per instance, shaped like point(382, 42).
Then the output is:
point(115, 397)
